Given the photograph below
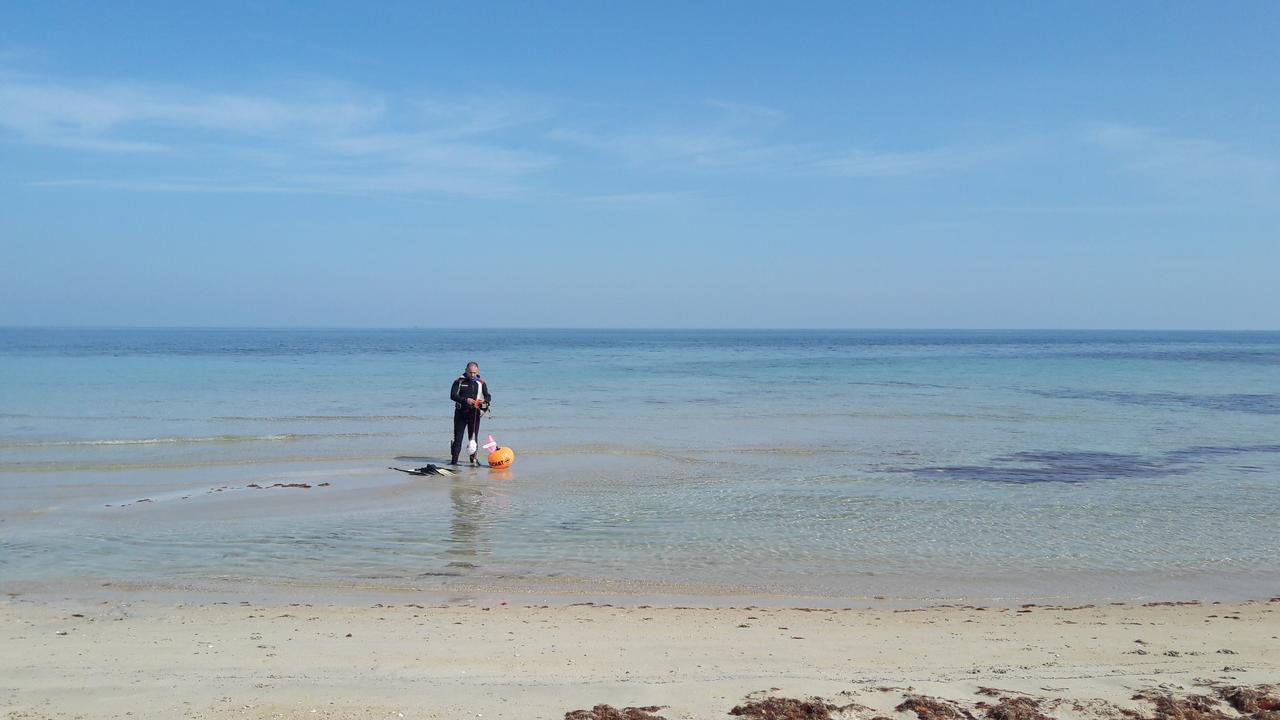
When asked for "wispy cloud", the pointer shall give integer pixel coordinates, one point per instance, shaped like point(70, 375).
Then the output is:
point(723, 150)
point(172, 186)
point(636, 199)
point(322, 138)
point(418, 149)
point(1190, 164)
point(743, 137)
point(747, 115)
point(717, 134)
point(872, 164)
point(111, 116)
point(329, 142)
point(480, 114)
point(657, 148)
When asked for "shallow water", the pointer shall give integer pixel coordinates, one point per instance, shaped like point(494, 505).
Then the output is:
point(838, 464)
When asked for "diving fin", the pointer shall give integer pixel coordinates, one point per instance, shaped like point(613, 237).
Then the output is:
point(433, 470)
point(426, 470)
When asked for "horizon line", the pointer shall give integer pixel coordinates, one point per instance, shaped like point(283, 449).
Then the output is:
point(637, 328)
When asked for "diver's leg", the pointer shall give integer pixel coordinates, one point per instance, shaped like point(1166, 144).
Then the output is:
point(460, 423)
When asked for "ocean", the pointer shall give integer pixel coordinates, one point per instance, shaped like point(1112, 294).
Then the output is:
point(839, 466)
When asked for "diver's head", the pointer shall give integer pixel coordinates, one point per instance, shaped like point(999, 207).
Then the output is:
point(472, 370)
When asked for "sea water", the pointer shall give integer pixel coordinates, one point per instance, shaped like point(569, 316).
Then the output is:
point(845, 465)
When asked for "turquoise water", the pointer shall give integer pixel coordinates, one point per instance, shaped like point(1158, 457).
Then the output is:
point(844, 465)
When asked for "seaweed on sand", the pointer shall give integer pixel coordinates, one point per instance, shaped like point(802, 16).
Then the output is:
point(1260, 699)
point(1189, 707)
point(787, 709)
point(1016, 708)
point(608, 712)
point(931, 708)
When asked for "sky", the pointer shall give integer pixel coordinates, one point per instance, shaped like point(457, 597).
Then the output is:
point(642, 164)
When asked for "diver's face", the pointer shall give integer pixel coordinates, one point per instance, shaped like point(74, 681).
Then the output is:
point(473, 370)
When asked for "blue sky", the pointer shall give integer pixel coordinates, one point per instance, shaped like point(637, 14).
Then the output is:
point(737, 164)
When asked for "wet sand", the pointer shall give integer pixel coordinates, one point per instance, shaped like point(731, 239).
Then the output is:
point(114, 657)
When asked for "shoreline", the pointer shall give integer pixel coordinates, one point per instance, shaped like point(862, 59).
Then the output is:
point(108, 657)
point(596, 591)
point(880, 593)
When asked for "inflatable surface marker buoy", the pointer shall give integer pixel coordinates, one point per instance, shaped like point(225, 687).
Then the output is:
point(502, 457)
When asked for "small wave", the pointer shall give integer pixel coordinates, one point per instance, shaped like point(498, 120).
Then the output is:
point(617, 450)
point(283, 437)
point(227, 418)
point(794, 451)
point(63, 467)
point(318, 418)
point(109, 418)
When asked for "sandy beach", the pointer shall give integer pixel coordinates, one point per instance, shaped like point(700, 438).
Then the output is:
point(157, 658)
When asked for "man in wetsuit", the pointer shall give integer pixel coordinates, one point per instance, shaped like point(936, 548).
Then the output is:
point(470, 397)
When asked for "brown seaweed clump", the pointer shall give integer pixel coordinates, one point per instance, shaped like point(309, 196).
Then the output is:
point(786, 709)
point(931, 708)
point(1019, 708)
point(1260, 699)
point(1190, 707)
point(608, 712)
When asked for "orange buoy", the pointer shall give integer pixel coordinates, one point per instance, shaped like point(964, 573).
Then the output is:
point(501, 457)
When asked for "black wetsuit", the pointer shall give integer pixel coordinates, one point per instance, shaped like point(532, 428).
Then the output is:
point(466, 418)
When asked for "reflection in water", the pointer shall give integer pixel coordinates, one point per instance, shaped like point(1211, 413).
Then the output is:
point(474, 504)
point(464, 526)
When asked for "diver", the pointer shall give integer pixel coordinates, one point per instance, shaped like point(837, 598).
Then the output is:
point(471, 398)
